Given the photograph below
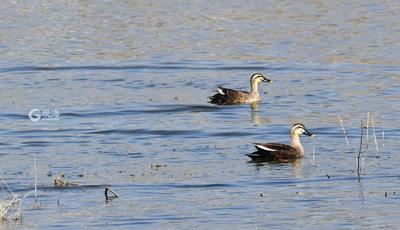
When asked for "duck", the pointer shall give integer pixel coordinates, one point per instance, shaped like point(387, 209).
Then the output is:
point(277, 152)
point(225, 96)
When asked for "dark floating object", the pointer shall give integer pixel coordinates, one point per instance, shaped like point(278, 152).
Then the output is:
point(276, 152)
point(225, 96)
point(58, 200)
point(108, 197)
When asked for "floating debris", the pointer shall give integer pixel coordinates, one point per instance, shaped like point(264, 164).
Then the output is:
point(328, 176)
point(58, 200)
point(61, 182)
point(156, 166)
point(113, 194)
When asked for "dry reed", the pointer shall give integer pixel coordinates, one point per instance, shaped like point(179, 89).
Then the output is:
point(373, 131)
point(344, 130)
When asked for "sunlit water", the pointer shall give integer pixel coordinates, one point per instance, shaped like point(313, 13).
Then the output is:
point(130, 80)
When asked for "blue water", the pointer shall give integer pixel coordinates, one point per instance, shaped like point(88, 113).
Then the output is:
point(130, 82)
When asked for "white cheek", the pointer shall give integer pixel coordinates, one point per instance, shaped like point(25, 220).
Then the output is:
point(300, 131)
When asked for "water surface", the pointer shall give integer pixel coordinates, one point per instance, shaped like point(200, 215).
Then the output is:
point(131, 79)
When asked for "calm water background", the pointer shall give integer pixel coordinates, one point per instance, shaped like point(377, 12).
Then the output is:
point(131, 80)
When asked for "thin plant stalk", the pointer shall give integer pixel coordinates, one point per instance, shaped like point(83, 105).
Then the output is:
point(373, 131)
point(375, 140)
point(34, 158)
point(313, 156)
point(114, 195)
point(59, 198)
point(359, 151)
point(367, 140)
point(8, 188)
point(362, 161)
point(367, 129)
point(344, 131)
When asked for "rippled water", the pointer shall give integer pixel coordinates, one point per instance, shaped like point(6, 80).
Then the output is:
point(130, 81)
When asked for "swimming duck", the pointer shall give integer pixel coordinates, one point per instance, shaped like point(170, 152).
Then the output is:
point(226, 96)
point(280, 152)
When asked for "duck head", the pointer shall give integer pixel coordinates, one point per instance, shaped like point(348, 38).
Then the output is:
point(299, 129)
point(255, 79)
point(258, 77)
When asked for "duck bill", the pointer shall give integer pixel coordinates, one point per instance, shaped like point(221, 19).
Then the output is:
point(267, 80)
point(308, 133)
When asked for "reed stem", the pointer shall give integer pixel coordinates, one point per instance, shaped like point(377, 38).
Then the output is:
point(367, 130)
point(344, 131)
point(34, 159)
point(373, 131)
point(114, 195)
point(359, 150)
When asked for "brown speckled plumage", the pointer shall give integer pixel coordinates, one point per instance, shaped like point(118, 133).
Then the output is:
point(281, 152)
point(225, 96)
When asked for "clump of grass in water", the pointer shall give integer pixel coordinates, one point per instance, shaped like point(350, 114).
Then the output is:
point(61, 182)
point(361, 155)
point(10, 209)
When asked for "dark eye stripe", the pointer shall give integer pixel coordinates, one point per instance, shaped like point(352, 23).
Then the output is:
point(299, 126)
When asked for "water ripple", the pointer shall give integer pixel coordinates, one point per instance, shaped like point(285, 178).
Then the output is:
point(140, 132)
point(159, 66)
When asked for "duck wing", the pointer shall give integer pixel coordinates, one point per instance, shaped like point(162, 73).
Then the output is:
point(225, 96)
point(273, 152)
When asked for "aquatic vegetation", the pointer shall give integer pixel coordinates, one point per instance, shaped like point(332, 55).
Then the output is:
point(11, 208)
point(360, 157)
point(61, 182)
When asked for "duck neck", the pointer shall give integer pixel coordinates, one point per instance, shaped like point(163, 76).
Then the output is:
point(254, 87)
point(297, 145)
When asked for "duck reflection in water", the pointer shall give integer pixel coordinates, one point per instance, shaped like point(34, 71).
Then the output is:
point(255, 115)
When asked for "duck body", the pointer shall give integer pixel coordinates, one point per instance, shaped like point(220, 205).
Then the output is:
point(274, 152)
point(281, 152)
point(225, 96)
